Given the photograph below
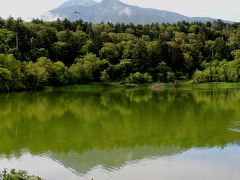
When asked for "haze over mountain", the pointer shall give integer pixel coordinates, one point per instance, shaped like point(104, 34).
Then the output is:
point(116, 11)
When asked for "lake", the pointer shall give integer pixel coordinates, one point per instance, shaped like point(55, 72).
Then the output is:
point(108, 133)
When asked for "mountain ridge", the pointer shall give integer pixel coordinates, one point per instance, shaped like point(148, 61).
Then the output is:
point(115, 11)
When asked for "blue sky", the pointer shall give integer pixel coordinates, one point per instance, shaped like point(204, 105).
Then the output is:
point(224, 9)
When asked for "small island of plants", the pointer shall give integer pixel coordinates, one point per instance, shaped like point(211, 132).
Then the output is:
point(17, 175)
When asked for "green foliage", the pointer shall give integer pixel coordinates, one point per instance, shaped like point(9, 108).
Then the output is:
point(120, 71)
point(17, 175)
point(36, 74)
point(59, 75)
point(110, 52)
point(138, 78)
point(165, 73)
point(219, 72)
point(86, 69)
point(236, 53)
point(199, 77)
point(5, 78)
point(11, 73)
point(105, 76)
point(7, 40)
point(170, 76)
point(37, 54)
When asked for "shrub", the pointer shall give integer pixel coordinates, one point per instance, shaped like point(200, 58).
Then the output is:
point(139, 78)
point(17, 175)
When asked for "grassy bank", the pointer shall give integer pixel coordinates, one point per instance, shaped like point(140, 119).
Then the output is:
point(201, 86)
point(153, 86)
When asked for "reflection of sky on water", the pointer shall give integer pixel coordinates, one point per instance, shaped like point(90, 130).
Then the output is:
point(42, 166)
point(197, 164)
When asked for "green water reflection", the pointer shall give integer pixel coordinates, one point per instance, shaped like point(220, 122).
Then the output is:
point(87, 127)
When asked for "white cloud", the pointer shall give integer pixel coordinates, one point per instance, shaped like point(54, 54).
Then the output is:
point(26, 8)
point(122, 10)
point(127, 11)
point(48, 16)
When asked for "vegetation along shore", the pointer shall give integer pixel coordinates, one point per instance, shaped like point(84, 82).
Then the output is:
point(38, 54)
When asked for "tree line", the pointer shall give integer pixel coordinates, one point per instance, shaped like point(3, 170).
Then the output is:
point(38, 53)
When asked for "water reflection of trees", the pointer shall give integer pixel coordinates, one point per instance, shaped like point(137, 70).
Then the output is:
point(80, 121)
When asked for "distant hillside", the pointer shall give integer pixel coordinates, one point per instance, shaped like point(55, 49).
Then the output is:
point(115, 11)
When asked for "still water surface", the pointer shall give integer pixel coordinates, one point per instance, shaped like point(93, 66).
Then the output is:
point(104, 133)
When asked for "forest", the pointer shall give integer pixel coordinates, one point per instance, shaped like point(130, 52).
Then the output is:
point(37, 54)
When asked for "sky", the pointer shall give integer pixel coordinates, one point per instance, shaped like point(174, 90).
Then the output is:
point(220, 9)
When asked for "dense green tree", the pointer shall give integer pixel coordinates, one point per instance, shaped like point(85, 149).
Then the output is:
point(219, 71)
point(236, 53)
point(38, 53)
point(59, 74)
point(140, 56)
point(87, 69)
point(105, 76)
point(7, 41)
point(36, 75)
point(5, 78)
point(110, 52)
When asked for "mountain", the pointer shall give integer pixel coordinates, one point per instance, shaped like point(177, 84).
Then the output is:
point(77, 3)
point(116, 11)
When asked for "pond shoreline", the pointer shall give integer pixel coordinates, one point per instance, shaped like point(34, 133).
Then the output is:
point(155, 86)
